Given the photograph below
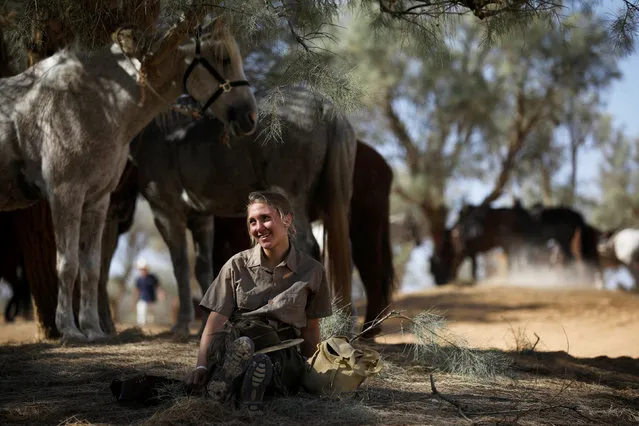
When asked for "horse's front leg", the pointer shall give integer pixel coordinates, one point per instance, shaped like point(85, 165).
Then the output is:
point(66, 213)
point(173, 232)
point(202, 229)
point(91, 228)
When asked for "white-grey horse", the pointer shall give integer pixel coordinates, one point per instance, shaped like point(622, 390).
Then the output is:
point(621, 247)
point(65, 128)
point(187, 180)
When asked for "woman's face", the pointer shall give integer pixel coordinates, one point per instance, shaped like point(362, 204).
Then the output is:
point(266, 226)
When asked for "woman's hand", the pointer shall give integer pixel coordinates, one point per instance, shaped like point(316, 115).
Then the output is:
point(196, 378)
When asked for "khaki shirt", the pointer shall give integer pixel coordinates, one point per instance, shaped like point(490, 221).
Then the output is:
point(296, 289)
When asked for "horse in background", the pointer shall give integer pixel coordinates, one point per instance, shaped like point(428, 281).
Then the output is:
point(189, 176)
point(621, 247)
point(576, 240)
point(560, 224)
point(479, 229)
point(369, 231)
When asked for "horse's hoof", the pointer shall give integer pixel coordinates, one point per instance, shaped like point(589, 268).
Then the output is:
point(73, 335)
point(94, 335)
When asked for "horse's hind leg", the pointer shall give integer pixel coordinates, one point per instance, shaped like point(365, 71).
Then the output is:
point(202, 228)
point(66, 215)
point(91, 227)
point(174, 235)
point(367, 255)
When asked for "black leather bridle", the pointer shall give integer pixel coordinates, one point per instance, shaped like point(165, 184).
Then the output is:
point(224, 86)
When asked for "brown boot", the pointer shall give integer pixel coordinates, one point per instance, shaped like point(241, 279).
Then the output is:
point(236, 358)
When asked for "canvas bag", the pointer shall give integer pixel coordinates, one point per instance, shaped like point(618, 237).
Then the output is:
point(336, 366)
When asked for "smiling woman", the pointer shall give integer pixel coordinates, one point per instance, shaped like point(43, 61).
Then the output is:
point(270, 223)
point(272, 289)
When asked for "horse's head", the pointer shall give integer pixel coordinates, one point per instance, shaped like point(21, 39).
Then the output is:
point(215, 78)
point(472, 223)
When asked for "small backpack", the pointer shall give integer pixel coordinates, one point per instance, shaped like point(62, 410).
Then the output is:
point(337, 366)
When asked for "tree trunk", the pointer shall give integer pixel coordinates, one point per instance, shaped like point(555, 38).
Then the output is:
point(546, 186)
point(34, 236)
point(436, 217)
point(574, 149)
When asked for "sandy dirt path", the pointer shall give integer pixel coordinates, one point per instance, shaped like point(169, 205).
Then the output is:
point(582, 322)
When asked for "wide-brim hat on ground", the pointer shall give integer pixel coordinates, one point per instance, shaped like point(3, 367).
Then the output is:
point(284, 345)
point(264, 336)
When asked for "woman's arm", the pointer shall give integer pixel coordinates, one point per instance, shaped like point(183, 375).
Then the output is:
point(214, 323)
point(311, 336)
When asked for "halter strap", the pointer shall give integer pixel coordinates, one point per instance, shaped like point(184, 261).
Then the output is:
point(224, 85)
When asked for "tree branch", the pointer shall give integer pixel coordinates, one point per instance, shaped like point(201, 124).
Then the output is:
point(399, 130)
point(517, 142)
point(536, 115)
point(453, 159)
point(447, 399)
point(407, 197)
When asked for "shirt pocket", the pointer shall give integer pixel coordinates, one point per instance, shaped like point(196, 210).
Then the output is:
point(294, 299)
point(246, 296)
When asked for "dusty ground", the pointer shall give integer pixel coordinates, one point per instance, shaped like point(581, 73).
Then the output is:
point(583, 370)
point(581, 322)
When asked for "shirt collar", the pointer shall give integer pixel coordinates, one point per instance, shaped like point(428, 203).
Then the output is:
point(255, 257)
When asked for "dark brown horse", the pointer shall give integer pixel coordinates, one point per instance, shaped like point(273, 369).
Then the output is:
point(518, 232)
point(478, 230)
point(369, 231)
point(576, 239)
point(561, 224)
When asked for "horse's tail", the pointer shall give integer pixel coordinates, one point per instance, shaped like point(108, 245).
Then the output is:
point(335, 193)
point(589, 241)
point(576, 245)
point(389, 283)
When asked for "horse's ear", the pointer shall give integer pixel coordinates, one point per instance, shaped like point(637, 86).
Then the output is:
point(215, 28)
point(208, 27)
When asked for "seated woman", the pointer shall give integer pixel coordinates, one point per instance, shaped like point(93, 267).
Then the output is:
point(273, 293)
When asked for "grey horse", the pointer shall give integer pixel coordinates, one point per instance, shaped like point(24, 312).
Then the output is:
point(187, 180)
point(65, 128)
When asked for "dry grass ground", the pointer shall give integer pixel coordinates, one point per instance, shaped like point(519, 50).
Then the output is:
point(46, 383)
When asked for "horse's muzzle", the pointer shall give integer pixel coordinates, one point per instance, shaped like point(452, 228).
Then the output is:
point(242, 120)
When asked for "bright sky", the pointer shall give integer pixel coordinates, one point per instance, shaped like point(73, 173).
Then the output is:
point(622, 100)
